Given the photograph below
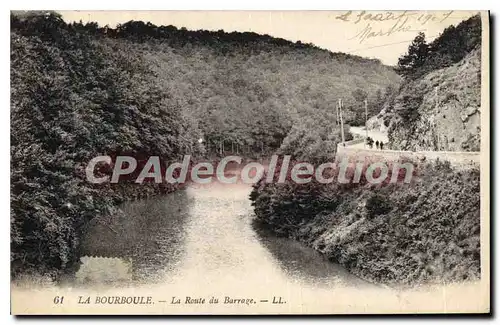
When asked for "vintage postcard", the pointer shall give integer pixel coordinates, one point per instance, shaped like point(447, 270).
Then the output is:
point(249, 162)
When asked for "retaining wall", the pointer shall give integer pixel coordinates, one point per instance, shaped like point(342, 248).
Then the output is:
point(456, 158)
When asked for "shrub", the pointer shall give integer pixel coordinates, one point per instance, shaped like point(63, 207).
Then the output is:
point(425, 231)
point(376, 205)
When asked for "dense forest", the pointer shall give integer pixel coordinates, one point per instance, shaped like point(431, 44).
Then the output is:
point(81, 90)
point(424, 231)
point(71, 100)
point(248, 89)
point(451, 46)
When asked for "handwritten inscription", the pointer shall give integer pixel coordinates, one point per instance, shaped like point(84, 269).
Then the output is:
point(398, 22)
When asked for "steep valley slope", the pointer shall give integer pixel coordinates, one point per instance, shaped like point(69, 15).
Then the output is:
point(448, 117)
point(438, 108)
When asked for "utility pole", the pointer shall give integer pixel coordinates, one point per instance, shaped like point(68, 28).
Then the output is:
point(366, 120)
point(341, 122)
point(436, 96)
point(337, 112)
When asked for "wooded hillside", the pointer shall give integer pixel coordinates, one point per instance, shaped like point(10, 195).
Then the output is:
point(81, 90)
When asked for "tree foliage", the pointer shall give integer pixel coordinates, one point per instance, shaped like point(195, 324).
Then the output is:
point(426, 231)
point(411, 62)
point(73, 99)
point(448, 48)
point(80, 90)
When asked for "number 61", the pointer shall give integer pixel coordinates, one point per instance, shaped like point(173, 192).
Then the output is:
point(58, 300)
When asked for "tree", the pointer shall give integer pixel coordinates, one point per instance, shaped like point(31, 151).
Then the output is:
point(410, 63)
point(359, 95)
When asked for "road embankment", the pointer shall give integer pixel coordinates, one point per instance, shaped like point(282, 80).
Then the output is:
point(426, 231)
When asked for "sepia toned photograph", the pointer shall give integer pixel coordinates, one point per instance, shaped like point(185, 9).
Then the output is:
point(249, 162)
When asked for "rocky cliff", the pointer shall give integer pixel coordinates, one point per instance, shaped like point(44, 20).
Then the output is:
point(439, 111)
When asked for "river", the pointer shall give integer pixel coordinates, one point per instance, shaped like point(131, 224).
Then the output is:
point(204, 235)
point(199, 244)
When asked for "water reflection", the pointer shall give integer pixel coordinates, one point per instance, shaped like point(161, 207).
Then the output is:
point(304, 263)
point(147, 233)
point(203, 236)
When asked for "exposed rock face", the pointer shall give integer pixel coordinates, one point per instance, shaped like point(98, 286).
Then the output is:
point(440, 111)
point(378, 123)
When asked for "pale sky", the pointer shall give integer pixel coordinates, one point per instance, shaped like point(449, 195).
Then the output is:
point(382, 35)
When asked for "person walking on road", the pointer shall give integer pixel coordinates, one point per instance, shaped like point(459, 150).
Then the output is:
point(369, 141)
point(376, 144)
point(381, 145)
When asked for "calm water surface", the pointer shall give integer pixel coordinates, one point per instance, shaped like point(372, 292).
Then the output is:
point(204, 235)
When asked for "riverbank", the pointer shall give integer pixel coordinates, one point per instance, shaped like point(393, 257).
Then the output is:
point(397, 234)
point(219, 253)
